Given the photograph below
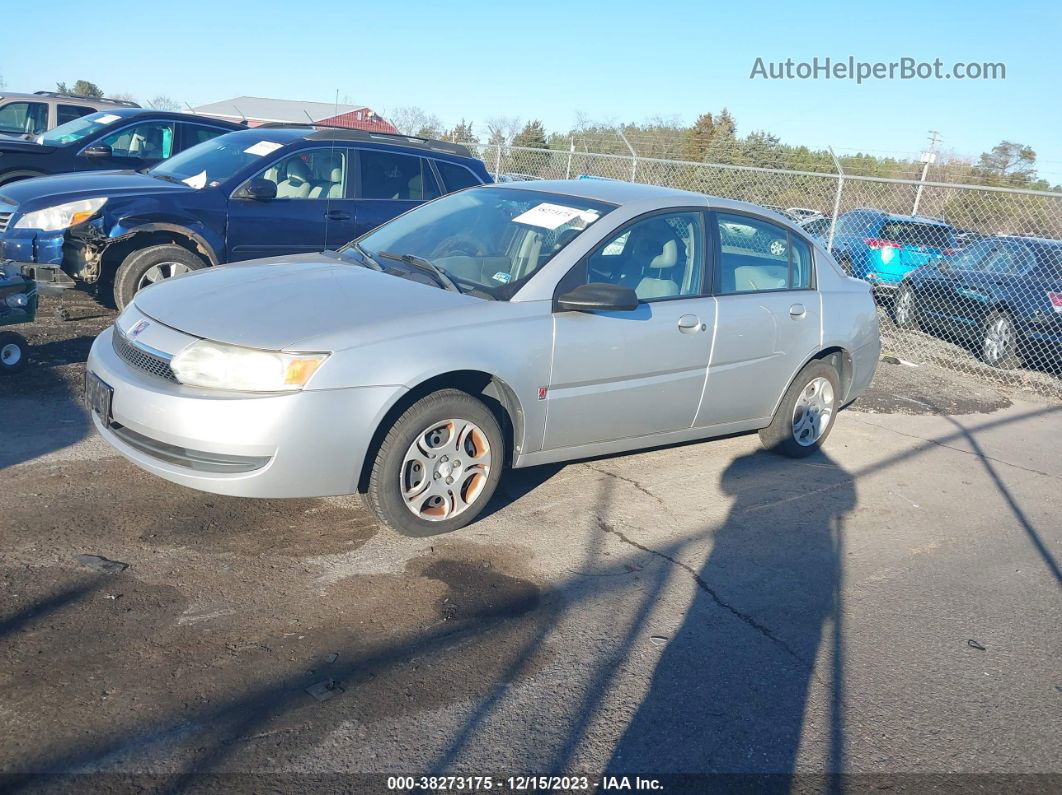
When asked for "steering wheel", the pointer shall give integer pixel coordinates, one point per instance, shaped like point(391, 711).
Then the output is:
point(458, 245)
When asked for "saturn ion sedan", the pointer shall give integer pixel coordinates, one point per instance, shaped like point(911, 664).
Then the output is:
point(501, 326)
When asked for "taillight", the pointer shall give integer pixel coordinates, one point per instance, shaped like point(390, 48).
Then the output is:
point(876, 244)
point(1055, 299)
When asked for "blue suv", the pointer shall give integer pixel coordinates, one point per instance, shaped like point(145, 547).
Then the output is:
point(882, 248)
point(260, 192)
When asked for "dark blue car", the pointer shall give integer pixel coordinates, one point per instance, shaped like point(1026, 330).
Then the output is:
point(882, 248)
point(120, 137)
point(1003, 294)
point(255, 193)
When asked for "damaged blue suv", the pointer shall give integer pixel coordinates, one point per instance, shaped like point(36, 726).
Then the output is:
point(259, 192)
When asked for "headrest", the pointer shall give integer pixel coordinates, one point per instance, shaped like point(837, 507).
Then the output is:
point(299, 171)
point(335, 175)
point(656, 247)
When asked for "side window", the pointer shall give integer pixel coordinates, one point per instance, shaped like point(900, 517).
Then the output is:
point(802, 263)
point(67, 113)
point(195, 134)
point(753, 255)
point(1009, 259)
point(385, 175)
point(152, 140)
point(658, 257)
point(24, 118)
point(310, 174)
point(455, 177)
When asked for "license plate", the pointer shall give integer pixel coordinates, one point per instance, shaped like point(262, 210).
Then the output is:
point(98, 396)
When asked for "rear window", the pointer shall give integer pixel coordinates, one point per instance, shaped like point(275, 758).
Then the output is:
point(456, 177)
point(916, 234)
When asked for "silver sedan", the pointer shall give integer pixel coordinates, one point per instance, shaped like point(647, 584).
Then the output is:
point(505, 325)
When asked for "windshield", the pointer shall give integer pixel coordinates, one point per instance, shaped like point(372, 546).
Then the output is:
point(214, 161)
point(489, 241)
point(78, 129)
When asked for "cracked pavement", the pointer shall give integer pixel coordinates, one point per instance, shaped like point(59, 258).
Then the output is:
point(889, 606)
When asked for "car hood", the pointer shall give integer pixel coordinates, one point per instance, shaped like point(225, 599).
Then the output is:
point(302, 302)
point(12, 143)
point(46, 191)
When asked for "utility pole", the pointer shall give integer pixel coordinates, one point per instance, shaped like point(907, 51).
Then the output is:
point(928, 156)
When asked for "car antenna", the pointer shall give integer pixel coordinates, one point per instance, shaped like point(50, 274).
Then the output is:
point(244, 118)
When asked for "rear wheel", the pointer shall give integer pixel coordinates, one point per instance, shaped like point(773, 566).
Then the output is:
point(806, 414)
point(438, 465)
point(904, 312)
point(999, 341)
point(147, 266)
point(14, 352)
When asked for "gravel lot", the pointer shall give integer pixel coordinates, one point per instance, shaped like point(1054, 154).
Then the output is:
point(888, 607)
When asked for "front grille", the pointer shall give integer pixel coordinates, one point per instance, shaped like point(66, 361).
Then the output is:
point(5, 218)
point(141, 359)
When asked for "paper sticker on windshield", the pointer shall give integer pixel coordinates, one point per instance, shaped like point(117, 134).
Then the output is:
point(262, 148)
point(107, 118)
point(502, 276)
point(551, 216)
point(198, 181)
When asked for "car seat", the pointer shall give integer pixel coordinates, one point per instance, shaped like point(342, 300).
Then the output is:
point(298, 182)
point(658, 250)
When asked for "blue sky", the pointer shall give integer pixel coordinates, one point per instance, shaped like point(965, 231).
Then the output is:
point(549, 60)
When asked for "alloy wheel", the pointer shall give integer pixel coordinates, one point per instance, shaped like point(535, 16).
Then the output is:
point(163, 270)
point(998, 339)
point(10, 354)
point(812, 412)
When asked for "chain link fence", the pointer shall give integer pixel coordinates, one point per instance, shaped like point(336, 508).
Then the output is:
point(966, 277)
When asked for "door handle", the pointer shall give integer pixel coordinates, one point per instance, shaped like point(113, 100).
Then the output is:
point(688, 324)
point(797, 311)
point(337, 215)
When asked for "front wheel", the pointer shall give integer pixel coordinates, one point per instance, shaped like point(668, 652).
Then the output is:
point(806, 414)
point(438, 465)
point(150, 265)
point(14, 352)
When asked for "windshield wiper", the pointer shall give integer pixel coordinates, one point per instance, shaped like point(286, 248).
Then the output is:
point(424, 265)
point(366, 259)
point(166, 177)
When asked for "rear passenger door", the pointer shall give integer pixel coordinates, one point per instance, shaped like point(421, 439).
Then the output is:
point(311, 212)
point(768, 317)
point(389, 183)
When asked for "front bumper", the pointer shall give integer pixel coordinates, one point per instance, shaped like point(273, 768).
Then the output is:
point(33, 245)
point(298, 444)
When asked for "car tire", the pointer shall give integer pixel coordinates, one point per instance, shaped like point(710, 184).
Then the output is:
point(999, 341)
point(149, 265)
point(795, 431)
point(408, 488)
point(905, 309)
point(14, 353)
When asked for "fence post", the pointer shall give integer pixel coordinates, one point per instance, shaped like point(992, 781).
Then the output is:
point(836, 199)
point(497, 160)
point(634, 155)
point(568, 170)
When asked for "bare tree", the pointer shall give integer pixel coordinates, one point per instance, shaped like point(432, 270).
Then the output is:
point(124, 95)
point(502, 129)
point(163, 102)
point(412, 120)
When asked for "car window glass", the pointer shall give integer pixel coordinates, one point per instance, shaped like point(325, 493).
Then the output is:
point(455, 177)
point(386, 175)
point(197, 134)
point(658, 257)
point(24, 118)
point(800, 273)
point(151, 140)
point(65, 113)
point(310, 174)
point(972, 257)
point(916, 234)
point(753, 255)
point(854, 223)
point(1009, 258)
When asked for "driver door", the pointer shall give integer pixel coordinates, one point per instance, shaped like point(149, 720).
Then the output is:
point(133, 147)
point(628, 374)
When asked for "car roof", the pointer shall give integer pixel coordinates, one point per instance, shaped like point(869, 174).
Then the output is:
point(128, 113)
point(1036, 241)
point(607, 190)
point(920, 219)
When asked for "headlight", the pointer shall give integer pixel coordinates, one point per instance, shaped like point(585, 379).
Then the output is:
point(62, 216)
point(218, 366)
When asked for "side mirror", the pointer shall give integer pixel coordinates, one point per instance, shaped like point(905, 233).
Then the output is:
point(598, 297)
point(260, 190)
point(98, 150)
